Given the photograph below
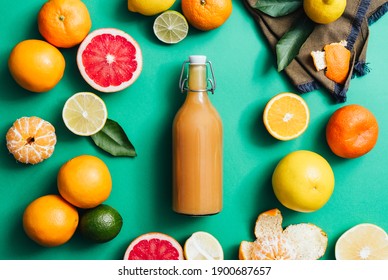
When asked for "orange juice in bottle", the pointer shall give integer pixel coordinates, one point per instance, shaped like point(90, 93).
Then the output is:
point(197, 144)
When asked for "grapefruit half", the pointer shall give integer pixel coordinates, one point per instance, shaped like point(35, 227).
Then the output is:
point(109, 60)
point(154, 246)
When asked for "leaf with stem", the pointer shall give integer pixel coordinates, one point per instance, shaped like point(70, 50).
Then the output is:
point(290, 43)
point(277, 8)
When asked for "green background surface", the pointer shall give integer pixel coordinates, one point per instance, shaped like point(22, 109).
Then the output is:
point(246, 77)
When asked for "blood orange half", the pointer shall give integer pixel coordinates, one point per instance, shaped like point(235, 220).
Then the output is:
point(109, 60)
point(154, 246)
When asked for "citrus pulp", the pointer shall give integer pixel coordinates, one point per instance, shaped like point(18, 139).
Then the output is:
point(303, 181)
point(202, 246)
point(171, 27)
point(84, 113)
point(100, 224)
point(50, 220)
point(109, 59)
point(31, 140)
point(362, 242)
point(154, 246)
point(84, 181)
point(64, 23)
point(36, 65)
point(286, 116)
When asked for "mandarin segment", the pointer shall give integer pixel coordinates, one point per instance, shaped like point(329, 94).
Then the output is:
point(31, 140)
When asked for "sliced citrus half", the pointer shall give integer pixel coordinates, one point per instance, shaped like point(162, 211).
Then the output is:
point(171, 27)
point(362, 242)
point(154, 246)
point(109, 60)
point(84, 113)
point(304, 241)
point(203, 246)
point(286, 116)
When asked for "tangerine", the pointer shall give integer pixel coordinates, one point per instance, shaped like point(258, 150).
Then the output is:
point(36, 65)
point(84, 181)
point(352, 131)
point(31, 140)
point(207, 14)
point(50, 220)
point(64, 23)
point(304, 241)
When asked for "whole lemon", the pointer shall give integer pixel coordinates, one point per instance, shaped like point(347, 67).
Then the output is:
point(149, 7)
point(303, 181)
point(36, 65)
point(324, 11)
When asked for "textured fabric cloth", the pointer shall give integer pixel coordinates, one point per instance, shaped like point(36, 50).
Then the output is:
point(352, 26)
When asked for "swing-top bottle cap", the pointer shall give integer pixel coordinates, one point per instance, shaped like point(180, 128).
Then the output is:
point(197, 59)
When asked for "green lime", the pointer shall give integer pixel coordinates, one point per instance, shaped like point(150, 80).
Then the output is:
point(100, 224)
point(171, 27)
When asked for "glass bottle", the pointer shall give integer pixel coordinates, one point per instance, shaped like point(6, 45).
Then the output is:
point(197, 144)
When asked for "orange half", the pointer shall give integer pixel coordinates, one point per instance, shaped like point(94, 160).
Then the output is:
point(286, 116)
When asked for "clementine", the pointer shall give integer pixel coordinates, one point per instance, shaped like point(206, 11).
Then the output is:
point(84, 181)
point(31, 140)
point(206, 14)
point(352, 131)
point(50, 220)
point(64, 23)
point(36, 65)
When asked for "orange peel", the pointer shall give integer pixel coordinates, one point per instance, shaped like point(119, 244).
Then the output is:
point(304, 241)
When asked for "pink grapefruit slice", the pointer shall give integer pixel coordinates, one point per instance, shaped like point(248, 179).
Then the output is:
point(109, 60)
point(154, 246)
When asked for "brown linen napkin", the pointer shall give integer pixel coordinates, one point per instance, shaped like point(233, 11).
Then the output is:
point(352, 26)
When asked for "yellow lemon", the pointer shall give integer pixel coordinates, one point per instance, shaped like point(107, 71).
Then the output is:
point(303, 181)
point(324, 11)
point(149, 7)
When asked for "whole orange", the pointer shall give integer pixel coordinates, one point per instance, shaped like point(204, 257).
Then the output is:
point(206, 14)
point(352, 131)
point(84, 181)
point(64, 23)
point(50, 220)
point(36, 65)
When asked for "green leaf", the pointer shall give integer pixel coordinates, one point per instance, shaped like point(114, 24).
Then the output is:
point(289, 45)
point(277, 8)
point(112, 139)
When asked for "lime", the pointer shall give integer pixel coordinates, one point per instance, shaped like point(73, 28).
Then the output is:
point(100, 224)
point(171, 27)
point(84, 113)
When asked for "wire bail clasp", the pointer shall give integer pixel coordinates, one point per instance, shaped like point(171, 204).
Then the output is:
point(183, 81)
